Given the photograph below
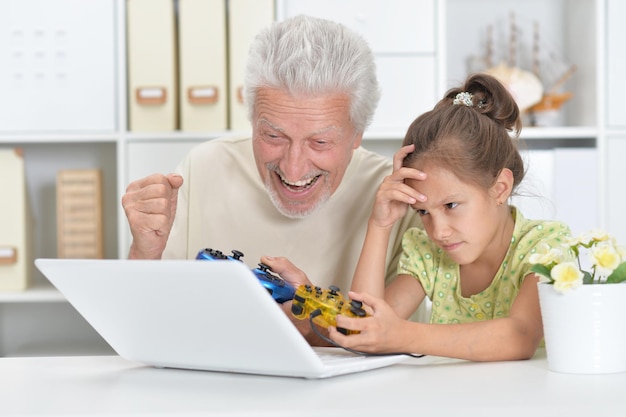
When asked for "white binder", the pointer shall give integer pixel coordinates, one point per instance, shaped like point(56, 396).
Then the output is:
point(15, 257)
point(202, 65)
point(246, 19)
point(152, 77)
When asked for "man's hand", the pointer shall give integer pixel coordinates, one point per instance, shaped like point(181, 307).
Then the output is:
point(296, 277)
point(150, 206)
point(287, 271)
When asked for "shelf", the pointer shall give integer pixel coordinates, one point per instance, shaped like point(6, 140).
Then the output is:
point(60, 137)
point(569, 132)
point(616, 132)
point(39, 294)
point(180, 136)
point(528, 133)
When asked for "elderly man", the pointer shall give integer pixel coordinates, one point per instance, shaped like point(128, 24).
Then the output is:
point(302, 187)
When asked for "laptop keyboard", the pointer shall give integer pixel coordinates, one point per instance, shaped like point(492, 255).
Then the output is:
point(340, 357)
point(333, 358)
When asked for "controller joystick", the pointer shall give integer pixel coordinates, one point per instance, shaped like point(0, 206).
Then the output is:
point(356, 307)
point(236, 255)
point(279, 289)
point(326, 305)
point(263, 268)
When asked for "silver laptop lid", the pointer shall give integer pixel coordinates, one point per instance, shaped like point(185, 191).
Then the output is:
point(185, 314)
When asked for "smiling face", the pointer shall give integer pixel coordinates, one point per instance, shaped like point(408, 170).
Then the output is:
point(463, 219)
point(302, 147)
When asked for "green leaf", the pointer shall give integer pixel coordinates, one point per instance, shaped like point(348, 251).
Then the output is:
point(587, 278)
point(618, 275)
point(541, 270)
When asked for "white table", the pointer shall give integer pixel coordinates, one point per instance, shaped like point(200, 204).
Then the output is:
point(112, 386)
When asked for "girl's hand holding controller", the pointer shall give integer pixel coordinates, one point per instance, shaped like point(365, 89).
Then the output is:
point(382, 331)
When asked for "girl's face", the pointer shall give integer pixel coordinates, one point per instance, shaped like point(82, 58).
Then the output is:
point(461, 218)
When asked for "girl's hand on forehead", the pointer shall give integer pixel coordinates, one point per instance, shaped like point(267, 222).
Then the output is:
point(399, 156)
point(394, 195)
point(405, 173)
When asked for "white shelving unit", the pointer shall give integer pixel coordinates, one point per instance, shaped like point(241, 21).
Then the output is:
point(446, 32)
point(613, 117)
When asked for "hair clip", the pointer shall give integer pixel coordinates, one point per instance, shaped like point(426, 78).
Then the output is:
point(464, 98)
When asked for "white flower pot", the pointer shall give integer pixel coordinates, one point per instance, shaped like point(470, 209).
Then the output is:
point(585, 329)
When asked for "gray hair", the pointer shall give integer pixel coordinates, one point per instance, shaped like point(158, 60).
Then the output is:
point(308, 55)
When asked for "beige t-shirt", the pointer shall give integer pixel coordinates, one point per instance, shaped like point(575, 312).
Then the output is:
point(224, 205)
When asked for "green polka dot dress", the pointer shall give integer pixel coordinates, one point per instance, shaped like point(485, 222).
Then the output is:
point(439, 275)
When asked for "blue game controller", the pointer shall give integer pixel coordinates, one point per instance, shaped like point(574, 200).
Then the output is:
point(209, 254)
point(279, 289)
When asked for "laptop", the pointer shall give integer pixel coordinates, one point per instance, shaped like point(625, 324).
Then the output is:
point(213, 316)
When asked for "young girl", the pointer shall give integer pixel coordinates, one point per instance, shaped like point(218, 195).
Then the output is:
point(471, 260)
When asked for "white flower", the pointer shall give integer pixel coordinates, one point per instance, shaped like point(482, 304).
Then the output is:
point(589, 237)
point(568, 267)
point(605, 258)
point(621, 249)
point(546, 255)
point(566, 276)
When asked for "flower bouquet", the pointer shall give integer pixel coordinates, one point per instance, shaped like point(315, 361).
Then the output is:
point(582, 321)
point(606, 260)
